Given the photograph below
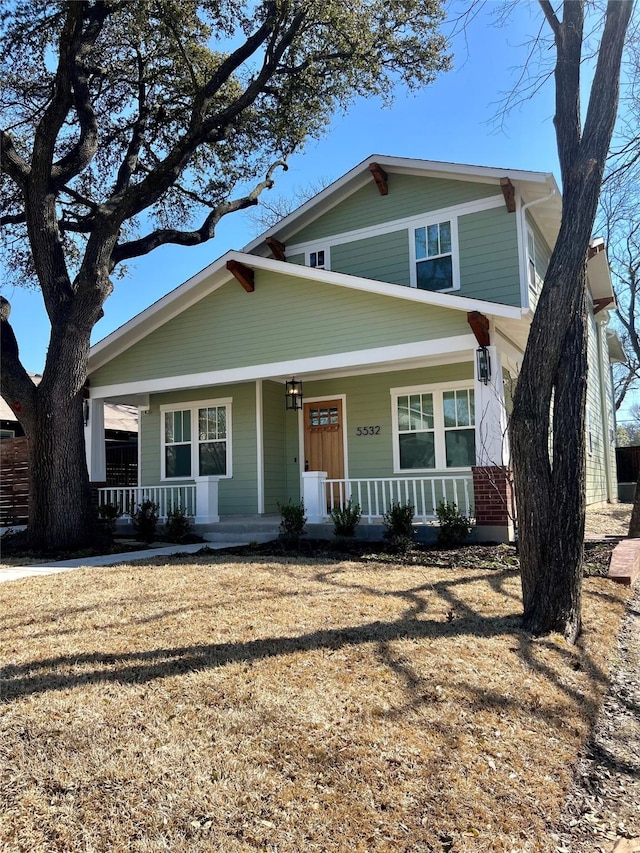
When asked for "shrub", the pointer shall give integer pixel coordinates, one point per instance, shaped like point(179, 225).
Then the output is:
point(454, 527)
point(179, 525)
point(109, 515)
point(292, 524)
point(400, 531)
point(345, 519)
point(145, 520)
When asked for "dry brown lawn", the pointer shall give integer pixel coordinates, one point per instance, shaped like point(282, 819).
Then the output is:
point(289, 706)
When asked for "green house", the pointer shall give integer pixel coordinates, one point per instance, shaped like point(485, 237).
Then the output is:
point(365, 347)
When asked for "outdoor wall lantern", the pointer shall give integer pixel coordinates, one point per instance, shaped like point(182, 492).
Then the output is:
point(85, 403)
point(293, 394)
point(484, 364)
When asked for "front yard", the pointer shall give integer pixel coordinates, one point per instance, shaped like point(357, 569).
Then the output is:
point(287, 705)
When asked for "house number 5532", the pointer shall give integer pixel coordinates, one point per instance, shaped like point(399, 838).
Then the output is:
point(368, 430)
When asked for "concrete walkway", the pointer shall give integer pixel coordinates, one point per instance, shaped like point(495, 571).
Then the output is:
point(18, 572)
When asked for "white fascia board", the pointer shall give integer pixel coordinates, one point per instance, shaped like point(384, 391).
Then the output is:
point(366, 358)
point(381, 288)
point(344, 186)
point(598, 272)
point(216, 274)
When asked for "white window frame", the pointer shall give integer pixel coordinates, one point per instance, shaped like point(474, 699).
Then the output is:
point(437, 392)
point(536, 285)
point(424, 222)
point(193, 407)
point(314, 250)
point(7, 433)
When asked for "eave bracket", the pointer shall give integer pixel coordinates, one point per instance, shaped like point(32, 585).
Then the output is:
point(480, 327)
point(245, 275)
point(380, 177)
point(509, 193)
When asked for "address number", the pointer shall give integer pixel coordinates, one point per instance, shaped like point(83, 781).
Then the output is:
point(368, 430)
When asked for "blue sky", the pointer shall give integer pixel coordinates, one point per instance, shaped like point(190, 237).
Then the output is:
point(450, 120)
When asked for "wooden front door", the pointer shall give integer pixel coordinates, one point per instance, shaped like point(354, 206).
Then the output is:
point(323, 440)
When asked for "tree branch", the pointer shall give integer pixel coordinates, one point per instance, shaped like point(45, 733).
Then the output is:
point(11, 163)
point(160, 237)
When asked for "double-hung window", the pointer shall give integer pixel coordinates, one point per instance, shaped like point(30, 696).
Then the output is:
point(318, 258)
point(434, 428)
point(434, 256)
point(196, 440)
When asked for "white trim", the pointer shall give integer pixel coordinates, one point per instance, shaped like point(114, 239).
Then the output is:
point(437, 390)
point(405, 223)
point(192, 406)
point(323, 399)
point(522, 251)
point(343, 187)
point(217, 275)
point(455, 252)
point(297, 366)
point(259, 447)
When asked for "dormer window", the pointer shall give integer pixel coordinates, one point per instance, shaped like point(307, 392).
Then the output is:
point(434, 256)
point(317, 259)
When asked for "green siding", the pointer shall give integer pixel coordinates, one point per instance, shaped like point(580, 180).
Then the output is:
point(368, 403)
point(275, 444)
point(543, 256)
point(296, 259)
point(489, 269)
point(385, 257)
point(284, 318)
point(238, 494)
point(596, 461)
point(409, 195)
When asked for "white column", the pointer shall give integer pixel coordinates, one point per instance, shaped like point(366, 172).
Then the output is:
point(94, 442)
point(492, 446)
point(314, 495)
point(207, 500)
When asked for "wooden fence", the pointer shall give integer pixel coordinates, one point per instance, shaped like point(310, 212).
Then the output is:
point(14, 482)
point(122, 470)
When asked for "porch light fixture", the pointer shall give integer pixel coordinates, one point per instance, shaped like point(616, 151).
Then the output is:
point(293, 394)
point(484, 364)
point(85, 412)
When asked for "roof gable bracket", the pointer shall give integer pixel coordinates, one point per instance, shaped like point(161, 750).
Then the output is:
point(245, 275)
point(276, 248)
point(509, 193)
point(480, 327)
point(380, 177)
point(601, 304)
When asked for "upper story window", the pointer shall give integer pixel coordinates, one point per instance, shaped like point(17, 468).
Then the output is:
point(318, 258)
point(435, 261)
point(533, 277)
point(196, 440)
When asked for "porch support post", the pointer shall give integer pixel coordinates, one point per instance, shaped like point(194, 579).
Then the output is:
point(491, 475)
point(94, 442)
point(314, 496)
point(207, 500)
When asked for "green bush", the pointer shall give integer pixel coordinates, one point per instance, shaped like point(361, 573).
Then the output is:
point(179, 525)
point(109, 515)
point(293, 520)
point(454, 527)
point(145, 520)
point(400, 532)
point(345, 519)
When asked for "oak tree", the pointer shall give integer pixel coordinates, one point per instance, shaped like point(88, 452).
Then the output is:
point(127, 126)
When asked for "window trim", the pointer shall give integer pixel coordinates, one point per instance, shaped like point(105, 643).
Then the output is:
point(424, 222)
point(437, 391)
point(193, 406)
point(536, 286)
point(314, 249)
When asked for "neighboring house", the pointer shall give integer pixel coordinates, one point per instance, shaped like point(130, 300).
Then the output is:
point(400, 298)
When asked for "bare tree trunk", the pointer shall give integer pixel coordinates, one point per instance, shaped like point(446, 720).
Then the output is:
point(548, 419)
point(634, 523)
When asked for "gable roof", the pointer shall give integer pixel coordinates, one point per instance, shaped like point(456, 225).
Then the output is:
point(538, 189)
point(217, 274)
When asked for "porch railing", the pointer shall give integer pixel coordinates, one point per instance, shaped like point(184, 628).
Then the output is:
point(375, 496)
point(127, 499)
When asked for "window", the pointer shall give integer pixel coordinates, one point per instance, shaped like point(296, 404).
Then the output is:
point(196, 441)
point(434, 428)
point(459, 428)
point(7, 433)
point(317, 259)
point(416, 440)
point(434, 256)
point(533, 278)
